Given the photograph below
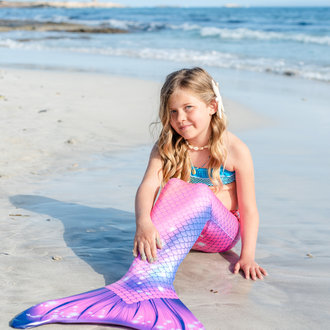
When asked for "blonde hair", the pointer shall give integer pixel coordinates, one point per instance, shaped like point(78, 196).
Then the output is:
point(171, 146)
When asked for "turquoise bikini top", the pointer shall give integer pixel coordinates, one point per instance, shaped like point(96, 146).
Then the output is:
point(201, 176)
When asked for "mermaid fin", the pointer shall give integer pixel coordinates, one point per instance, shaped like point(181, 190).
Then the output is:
point(103, 306)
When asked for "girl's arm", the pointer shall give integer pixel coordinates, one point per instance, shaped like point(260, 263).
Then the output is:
point(147, 238)
point(249, 216)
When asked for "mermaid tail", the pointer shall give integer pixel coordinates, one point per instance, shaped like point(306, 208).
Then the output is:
point(103, 306)
point(144, 298)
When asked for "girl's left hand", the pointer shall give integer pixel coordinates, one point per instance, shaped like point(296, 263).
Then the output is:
point(250, 268)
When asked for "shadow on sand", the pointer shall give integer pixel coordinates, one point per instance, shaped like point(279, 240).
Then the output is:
point(101, 237)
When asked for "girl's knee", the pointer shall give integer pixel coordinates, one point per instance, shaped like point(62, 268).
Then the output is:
point(194, 191)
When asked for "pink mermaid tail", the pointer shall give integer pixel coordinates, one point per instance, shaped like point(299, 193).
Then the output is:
point(144, 298)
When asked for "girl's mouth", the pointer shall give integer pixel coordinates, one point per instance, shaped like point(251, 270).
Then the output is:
point(182, 128)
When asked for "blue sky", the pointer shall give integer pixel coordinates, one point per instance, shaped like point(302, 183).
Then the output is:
point(212, 3)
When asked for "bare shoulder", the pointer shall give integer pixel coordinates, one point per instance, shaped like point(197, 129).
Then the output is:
point(238, 152)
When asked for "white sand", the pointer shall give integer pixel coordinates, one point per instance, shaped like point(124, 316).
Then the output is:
point(49, 119)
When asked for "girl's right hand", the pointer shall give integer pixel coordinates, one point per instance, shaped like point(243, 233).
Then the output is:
point(146, 241)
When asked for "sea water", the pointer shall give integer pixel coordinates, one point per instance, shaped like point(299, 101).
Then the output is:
point(285, 41)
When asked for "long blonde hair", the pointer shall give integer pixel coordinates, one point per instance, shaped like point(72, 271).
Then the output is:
point(171, 146)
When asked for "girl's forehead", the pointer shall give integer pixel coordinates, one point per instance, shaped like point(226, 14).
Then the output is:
point(182, 96)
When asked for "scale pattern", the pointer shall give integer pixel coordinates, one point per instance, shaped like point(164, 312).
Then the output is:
point(144, 298)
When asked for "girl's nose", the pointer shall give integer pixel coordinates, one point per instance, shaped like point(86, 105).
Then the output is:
point(181, 116)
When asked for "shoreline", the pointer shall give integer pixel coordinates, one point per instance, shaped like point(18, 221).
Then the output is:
point(34, 25)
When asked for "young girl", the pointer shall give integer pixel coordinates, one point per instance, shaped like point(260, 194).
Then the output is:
point(194, 138)
point(200, 175)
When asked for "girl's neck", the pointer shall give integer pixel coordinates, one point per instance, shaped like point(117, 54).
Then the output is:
point(201, 140)
point(199, 143)
point(199, 158)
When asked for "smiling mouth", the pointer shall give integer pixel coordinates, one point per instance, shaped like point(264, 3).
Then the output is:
point(184, 127)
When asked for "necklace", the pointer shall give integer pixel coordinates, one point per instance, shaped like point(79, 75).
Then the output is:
point(196, 148)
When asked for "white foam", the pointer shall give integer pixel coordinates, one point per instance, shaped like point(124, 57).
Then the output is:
point(193, 57)
point(243, 34)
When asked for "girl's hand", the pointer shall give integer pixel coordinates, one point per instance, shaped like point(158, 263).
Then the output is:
point(146, 241)
point(250, 268)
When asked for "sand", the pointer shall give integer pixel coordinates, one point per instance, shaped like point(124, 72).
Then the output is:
point(74, 148)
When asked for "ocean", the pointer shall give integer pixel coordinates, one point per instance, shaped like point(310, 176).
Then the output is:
point(282, 41)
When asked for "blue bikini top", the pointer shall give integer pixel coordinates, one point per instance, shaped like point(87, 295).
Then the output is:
point(200, 175)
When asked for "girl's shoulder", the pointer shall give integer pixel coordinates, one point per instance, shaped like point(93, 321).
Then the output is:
point(238, 151)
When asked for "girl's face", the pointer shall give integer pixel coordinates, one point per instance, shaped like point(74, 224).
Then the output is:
point(190, 116)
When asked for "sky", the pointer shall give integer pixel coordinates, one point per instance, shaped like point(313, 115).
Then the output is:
point(211, 3)
point(215, 3)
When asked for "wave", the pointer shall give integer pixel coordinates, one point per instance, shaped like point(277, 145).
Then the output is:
point(202, 31)
point(223, 33)
point(134, 26)
point(194, 57)
point(243, 34)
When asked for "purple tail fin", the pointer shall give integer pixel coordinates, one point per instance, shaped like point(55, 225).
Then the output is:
point(102, 306)
point(144, 298)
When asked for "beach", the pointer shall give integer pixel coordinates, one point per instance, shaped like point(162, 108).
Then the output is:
point(76, 138)
point(55, 125)
point(78, 150)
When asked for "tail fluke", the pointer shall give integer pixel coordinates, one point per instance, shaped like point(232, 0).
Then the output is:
point(103, 306)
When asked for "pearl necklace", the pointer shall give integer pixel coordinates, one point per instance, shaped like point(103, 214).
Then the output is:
point(196, 148)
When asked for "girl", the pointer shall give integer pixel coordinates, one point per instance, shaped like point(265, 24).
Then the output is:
point(193, 138)
point(206, 175)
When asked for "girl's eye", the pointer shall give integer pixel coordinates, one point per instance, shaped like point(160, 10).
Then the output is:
point(172, 112)
point(189, 107)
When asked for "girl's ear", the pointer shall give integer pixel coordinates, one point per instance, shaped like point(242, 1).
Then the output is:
point(213, 107)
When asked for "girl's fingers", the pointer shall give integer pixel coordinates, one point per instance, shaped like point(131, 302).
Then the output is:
point(263, 271)
point(141, 251)
point(148, 253)
point(247, 272)
point(258, 272)
point(237, 267)
point(158, 243)
point(135, 249)
point(253, 274)
point(153, 250)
